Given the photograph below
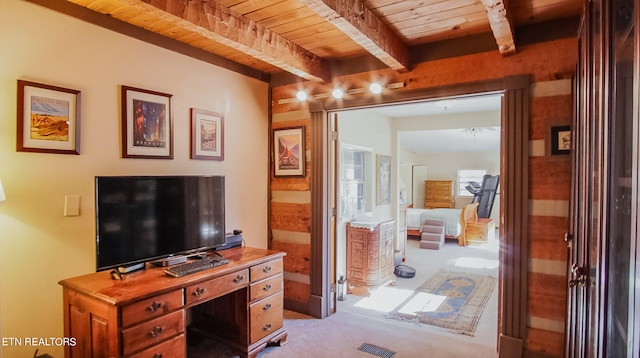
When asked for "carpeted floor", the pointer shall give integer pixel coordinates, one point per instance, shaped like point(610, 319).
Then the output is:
point(361, 320)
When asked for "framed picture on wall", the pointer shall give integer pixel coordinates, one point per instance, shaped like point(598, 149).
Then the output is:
point(207, 135)
point(48, 119)
point(288, 148)
point(558, 143)
point(383, 191)
point(146, 124)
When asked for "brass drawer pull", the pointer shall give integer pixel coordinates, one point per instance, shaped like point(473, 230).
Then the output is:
point(267, 269)
point(267, 327)
point(267, 287)
point(155, 306)
point(267, 307)
point(156, 331)
point(158, 355)
point(199, 291)
point(238, 279)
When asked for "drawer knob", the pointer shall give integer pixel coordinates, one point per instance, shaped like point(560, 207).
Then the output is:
point(267, 307)
point(156, 331)
point(155, 306)
point(267, 287)
point(158, 355)
point(238, 279)
point(267, 327)
point(267, 269)
point(199, 291)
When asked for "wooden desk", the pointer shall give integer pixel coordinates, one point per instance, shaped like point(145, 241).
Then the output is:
point(145, 314)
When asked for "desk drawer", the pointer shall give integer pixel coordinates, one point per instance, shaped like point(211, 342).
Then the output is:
point(152, 332)
point(152, 307)
point(173, 348)
point(217, 287)
point(266, 316)
point(265, 288)
point(258, 272)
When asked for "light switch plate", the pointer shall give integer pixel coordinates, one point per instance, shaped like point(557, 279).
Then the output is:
point(72, 205)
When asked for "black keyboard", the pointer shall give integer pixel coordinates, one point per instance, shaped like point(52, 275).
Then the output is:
point(202, 264)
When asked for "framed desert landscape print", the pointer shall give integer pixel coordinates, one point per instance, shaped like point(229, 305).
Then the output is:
point(289, 150)
point(48, 119)
point(207, 135)
point(146, 124)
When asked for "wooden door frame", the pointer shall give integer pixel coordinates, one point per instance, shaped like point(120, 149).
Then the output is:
point(514, 198)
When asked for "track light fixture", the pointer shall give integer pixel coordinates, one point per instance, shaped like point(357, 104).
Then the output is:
point(337, 93)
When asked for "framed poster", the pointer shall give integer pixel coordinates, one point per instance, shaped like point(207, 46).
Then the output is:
point(558, 142)
point(146, 124)
point(289, 151)
point(383, 191)
point(48, 119)
point(207, 135)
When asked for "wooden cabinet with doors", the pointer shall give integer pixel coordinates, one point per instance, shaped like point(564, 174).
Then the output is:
point(370, 255)
point(603, 296)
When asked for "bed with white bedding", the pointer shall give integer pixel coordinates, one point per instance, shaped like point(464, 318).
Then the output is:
point(455, 220)
point(451, 218)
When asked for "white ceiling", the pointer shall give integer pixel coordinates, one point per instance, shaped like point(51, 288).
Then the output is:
point(443, 106)
point(447, 140)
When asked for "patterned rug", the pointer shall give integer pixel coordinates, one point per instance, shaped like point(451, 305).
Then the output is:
point(453, 300)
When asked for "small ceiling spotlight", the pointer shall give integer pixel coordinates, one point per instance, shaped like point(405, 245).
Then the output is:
point(337, 93)
point(375, 87)
point(301, 95)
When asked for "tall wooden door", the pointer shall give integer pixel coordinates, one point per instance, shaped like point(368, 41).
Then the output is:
point(602, 317)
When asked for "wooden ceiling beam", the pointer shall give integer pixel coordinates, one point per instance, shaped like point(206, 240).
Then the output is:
point(358, 22)
point(212, 21)
point(500, 25)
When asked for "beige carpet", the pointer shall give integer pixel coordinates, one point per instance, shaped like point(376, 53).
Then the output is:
point(355, 323)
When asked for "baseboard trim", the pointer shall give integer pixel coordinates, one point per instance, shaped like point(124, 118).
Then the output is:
point(296, 306)
point(532, 354)
point(510, 347)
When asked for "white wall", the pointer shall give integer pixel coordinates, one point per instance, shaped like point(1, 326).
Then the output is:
point(445, 166)
point(38, 245)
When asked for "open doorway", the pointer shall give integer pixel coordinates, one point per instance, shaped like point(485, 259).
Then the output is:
point(435, 141)
point(514, 236)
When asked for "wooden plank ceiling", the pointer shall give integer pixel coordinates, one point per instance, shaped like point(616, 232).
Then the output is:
point(302, 37)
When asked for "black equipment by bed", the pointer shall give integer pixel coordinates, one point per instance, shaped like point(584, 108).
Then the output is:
point(484, 194)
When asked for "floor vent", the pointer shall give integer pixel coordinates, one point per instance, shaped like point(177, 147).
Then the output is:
point(376, 351)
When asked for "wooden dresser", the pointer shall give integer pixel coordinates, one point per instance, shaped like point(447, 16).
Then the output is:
point(146, 313)
point(370, 254)
point(438, 194)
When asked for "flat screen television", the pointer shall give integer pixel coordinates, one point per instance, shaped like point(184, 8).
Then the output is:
point(145, 218)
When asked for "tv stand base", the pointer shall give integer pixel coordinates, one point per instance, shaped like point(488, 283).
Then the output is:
point(168, 261)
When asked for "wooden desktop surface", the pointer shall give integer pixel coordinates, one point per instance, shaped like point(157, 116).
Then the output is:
point(250, 285)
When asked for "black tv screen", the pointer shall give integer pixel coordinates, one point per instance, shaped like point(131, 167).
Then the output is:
point(143, 218)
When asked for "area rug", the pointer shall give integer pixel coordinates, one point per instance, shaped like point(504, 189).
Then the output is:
point(452, 300)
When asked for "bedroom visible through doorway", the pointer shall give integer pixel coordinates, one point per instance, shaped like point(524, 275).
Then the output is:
point(443, 142)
